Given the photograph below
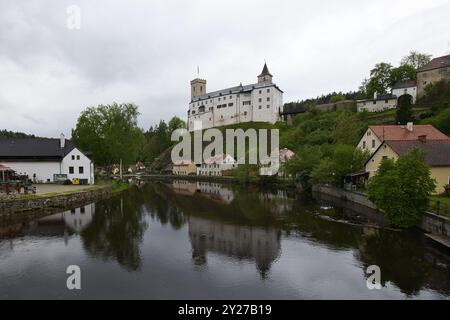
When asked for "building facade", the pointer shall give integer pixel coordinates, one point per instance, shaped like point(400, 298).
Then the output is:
point(259, 102)
point(436, 70)
point(184, 168)
point(376, 135)
point(437, 157)
point(216, 165)
point(406, 87)
point(380, 102)
point(46, 160)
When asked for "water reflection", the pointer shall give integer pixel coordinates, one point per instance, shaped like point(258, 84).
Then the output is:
point(179, 229)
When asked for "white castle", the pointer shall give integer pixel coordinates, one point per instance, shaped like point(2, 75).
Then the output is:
point(259, 102)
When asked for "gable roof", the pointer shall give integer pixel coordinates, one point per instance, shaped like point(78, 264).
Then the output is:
point(400, 132)
point(265, 71)
point(219, 159)
point(405, 84)
point(436, 63)
point(33, 148)
point(437, 154)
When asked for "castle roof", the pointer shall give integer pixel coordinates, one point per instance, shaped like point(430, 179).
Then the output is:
point(265, 71)
point(236, 89)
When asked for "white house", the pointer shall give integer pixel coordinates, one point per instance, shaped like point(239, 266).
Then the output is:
point(405, 87)
point(214, 166)
point(46, 160)
point(259, 102)
point(380, 102)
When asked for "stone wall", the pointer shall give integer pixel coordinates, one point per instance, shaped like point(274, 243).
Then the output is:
point(50, 204)
point(358, 202)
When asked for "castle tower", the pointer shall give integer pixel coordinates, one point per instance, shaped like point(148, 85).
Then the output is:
point(265, 75)
point(198, 87)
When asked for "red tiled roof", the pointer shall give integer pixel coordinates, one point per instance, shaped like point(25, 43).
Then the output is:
point(437, 154)
point(397, 132)
point(436, 63)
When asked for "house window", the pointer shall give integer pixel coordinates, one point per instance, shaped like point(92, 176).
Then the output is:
point(259, 107)
point(260, 100)
point(231, 97)
point(82, 210)
point(245, 113)
point(73, 157)
point(71, 170)
point(364, 144)
point(246, 103)
point(386, 101)
point(385, 157)
point(268, 98)
point(80, 170)
point(268, 106)
point(260, 91)
point(78, 157)
point(268, 90)
point(373, 143)
point(230, 104)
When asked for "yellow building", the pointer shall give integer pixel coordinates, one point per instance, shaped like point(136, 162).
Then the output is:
point(437, 156)
point(184, 168)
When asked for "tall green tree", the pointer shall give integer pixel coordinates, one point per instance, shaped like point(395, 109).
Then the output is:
point(402, 73)
point(402, 188)
point(404, 109)
point(416, 59)
point(110, 132)
point(380, 79)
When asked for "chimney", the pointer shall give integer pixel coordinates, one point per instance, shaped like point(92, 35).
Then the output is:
point(423, 138)
point(409, 126)
point(62, 141)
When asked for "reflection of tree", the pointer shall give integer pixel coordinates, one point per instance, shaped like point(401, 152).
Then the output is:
point(116, 231)
point(400, 257)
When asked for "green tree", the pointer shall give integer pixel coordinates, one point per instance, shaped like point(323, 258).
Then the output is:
point(402, 73)
point(110, 132)
point(416, 59)
point(380, 79)
point(402, 188)
point(441, 121)
point(404, 109)
point(348, 128)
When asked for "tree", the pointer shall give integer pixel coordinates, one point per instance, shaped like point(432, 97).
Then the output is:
point(110, 132)
point(404, 109)
point(402, 73)
point(402, 188)
point(380, 79)
point(416, 59)
point(348, 128)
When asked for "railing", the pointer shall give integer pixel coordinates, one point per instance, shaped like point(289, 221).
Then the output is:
point(439, 208)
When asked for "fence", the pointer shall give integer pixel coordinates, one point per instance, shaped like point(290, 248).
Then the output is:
point(439, 208)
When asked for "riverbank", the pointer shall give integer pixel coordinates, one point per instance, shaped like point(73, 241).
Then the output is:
point(358, 202)
point(57, 199)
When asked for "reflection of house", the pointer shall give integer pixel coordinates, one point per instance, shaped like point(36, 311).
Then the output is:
point(285, 156)
point(437, 156)
point(242, 242)
point(61, 224)
point(375, 135)
point(216, 165)
point(215, 191)
point(184, 167)
point(434, 71)
point(137, 167)
point(184, 187)
point(380, 102)
point(405, 87)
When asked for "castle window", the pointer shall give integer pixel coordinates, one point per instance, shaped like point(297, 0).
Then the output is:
point(268, 99)
point(245, 113)
point(231, 97)
point(268, 106)
point(259, 107)
point(219, 99)
point(260, 91)
point(246, 103)
point(268, 90)
point(230, 104)
point(260, 99)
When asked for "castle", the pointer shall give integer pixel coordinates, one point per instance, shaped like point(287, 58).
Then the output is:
point(259, 102)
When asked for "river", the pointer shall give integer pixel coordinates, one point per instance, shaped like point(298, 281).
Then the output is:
point(200, 240)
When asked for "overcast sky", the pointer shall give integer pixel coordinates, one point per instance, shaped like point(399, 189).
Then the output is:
point(146, 52)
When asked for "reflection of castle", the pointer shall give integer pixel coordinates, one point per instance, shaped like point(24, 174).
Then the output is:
point(60, 224)
point(215, 191)
point(242, 242)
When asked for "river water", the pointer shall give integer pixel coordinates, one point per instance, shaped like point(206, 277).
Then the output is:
point(199, 240)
